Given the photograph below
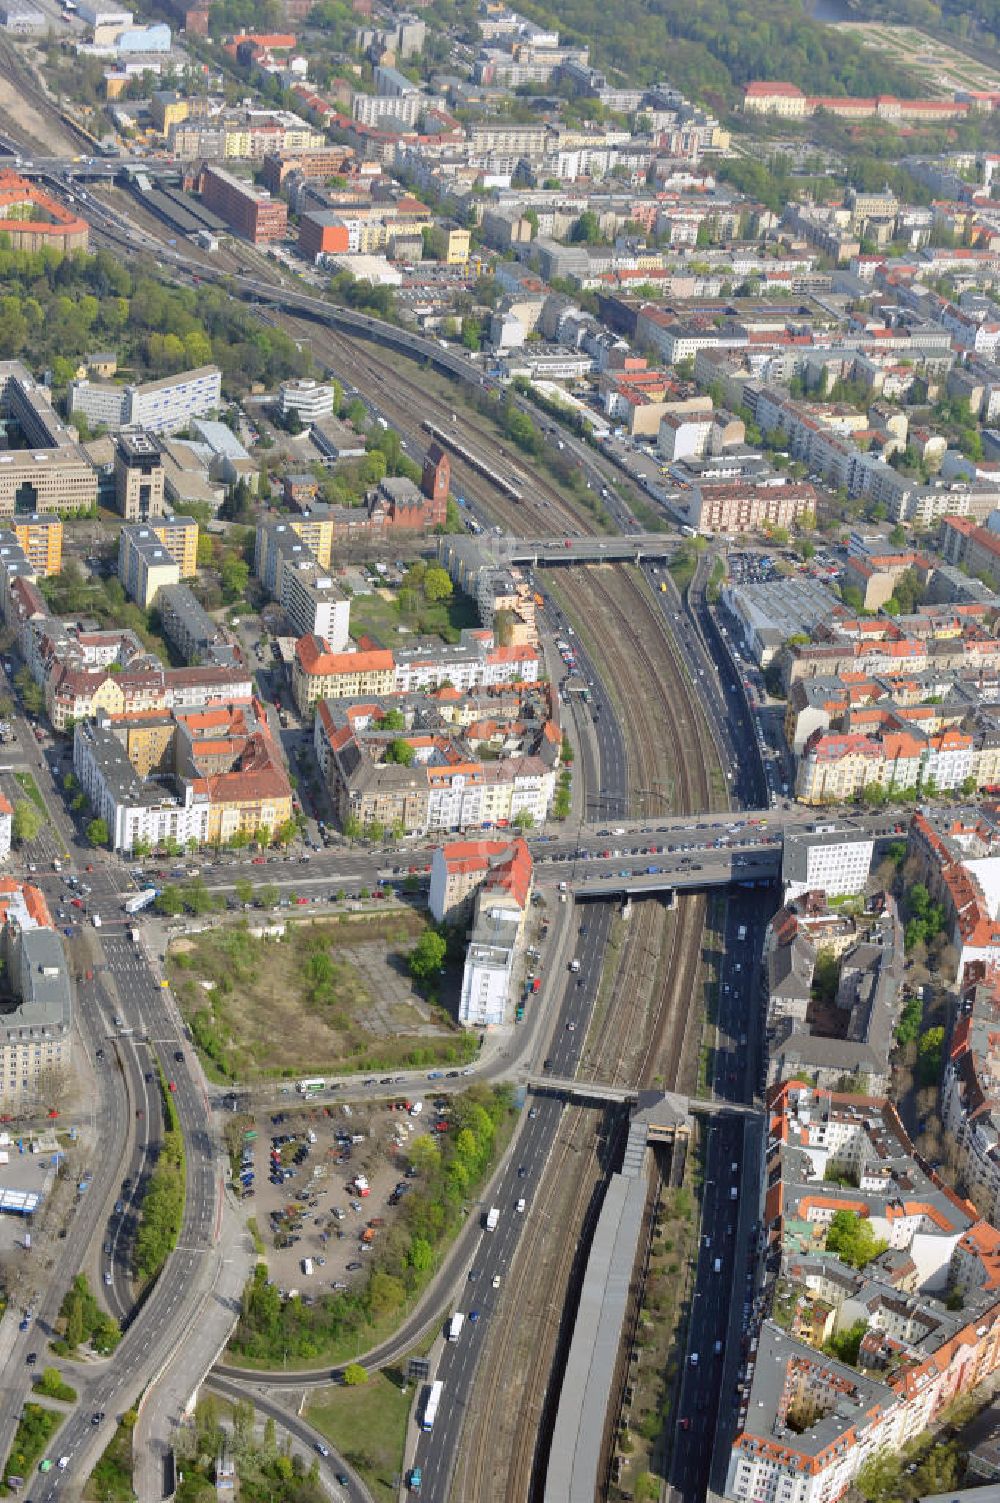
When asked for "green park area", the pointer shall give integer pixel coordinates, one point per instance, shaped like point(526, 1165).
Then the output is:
point(328, 994)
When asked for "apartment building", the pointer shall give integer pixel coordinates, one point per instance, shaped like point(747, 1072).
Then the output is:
point(204, 773)
point(315, 530)
point(494, 952)
point(41, 539)
point(807, 1423)
point(855, 1040)
point(461, 867)
point(36, 1024)
point(192, 632)
point(736, 506)
point(971, 547)
point(970, 1110)
point(144, 565)
point(308, 594)
point(475, 661)
point(440, 783)
point(838, 766)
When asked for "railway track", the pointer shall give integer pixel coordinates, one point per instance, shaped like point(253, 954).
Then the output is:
point(498, 1459)
point(408, 401)
point(16, 72)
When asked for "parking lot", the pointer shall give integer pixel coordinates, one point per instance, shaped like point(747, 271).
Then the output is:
point(327, 1182)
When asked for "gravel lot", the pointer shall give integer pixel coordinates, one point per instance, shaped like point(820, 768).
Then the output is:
point(307, 1200)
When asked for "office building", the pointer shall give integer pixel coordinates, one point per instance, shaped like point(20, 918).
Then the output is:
point(138, 477)
point(310, 399)
point(164, 406)
point(250, 211)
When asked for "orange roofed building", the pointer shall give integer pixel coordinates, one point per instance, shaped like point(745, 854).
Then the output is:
point(807, 1423)
point(34, 221)
point(493, 878)
point(460, 869)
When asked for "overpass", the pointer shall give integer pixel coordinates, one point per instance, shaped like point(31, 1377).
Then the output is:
point(591, 1091)
point(635, 548)
point(760, 865)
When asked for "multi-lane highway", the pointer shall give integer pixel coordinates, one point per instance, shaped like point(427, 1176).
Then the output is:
point(435, 1453)
point(729, 1196)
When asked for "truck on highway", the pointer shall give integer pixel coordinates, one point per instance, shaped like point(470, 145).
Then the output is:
point(307, 1267)
point(432, 1403)
point(139, 900)
point(574, 965)
point(455, 1324)
point(492, 1218)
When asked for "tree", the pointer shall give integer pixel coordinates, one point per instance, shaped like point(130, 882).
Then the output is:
point(587, 230)
point(399, 751)
point(851, 1238)
point(524, 819)
point(437, 584)
point(930, 1056)
point(427, 956)
point(879, 1479)
point(355, 1375)
point(244, 890)
point(31, 695)
point(169, 901)
point(826, 976)
point(98, 833)
point(235, 574)
point(268, 896)
point(26, 822)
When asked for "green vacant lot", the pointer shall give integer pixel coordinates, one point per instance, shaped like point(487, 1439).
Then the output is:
point(379, 615)
point(331, 994)
point(367, 1425)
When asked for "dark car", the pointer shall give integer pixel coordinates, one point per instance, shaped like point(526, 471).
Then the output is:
point(547, 1063)
point(353, 1267)
point(178, 1056)
point(31, 1358)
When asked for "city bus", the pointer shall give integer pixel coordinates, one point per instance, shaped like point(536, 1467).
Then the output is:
point(432, 1405)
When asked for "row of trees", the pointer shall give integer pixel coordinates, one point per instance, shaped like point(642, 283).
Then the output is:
point(163, 1202)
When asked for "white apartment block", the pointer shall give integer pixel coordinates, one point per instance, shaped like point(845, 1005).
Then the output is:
point(835, 862)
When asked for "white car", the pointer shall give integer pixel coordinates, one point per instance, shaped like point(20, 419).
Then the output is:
point(496, 1281)
point(63, 1463)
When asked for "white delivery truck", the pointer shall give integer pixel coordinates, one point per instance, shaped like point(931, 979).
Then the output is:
point(492, 1218)
point(455, 1325)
